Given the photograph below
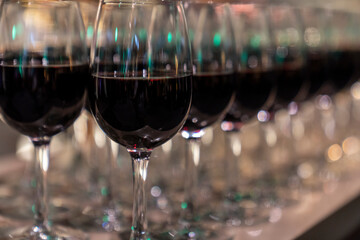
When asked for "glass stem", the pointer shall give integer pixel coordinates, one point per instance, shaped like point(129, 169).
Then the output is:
point(40, 207)
point(231, 167)
point(192, 160)
point(92, 154)
point(140, 161)
point(111, 155)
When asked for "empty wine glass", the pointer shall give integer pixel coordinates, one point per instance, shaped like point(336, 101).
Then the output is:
point(44, 68)
point(140, 90)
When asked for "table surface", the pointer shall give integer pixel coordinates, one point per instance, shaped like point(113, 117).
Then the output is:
point(293, 221)
point(299, 218)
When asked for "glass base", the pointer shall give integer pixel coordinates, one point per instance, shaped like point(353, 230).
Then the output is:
point(243, 209)
point(193, 233)
point(204, 229)
point(101, 219)
point(129, 235)
point(41, 233)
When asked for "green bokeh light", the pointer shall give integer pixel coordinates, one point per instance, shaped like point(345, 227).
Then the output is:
point(244, 57)
point(184, 205)
point(169, 37)
point(149, 65)
point(21, 73)
point(90, 32)
point(104, 191)
point(199, 56)
point(238, 197)
point(255, 41)
point(13, 33)
point(142, 34)
point(116, 34)
point(217, 39)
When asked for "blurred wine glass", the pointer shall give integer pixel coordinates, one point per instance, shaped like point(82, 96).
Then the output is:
point(96, 162)
point(213, 52)
point(343, 56)
point(293, 88)
point(255, 87)
point(44, 67)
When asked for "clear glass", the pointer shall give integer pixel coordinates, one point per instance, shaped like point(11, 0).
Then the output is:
point(293, 88)
point(255, 90)
point(213, 51)
point(313, 22)
point(97, 203)
point(43, 55)
point(340, 35)
point(286, 34)
point(140, 91)
point(88, 10)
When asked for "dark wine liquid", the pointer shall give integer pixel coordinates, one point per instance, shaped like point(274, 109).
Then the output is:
point(316, 71)
point(344, 68)
point(255, 90)
point(140, 112)
point(42, 100)
point(292, 84)
point(212, 96)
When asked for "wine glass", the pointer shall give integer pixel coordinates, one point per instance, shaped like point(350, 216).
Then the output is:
point(140, 90)
point(313, 22)
point(341, 34)
point(342, 40)
point(96, 164)
point(44, 68)
point(293, 87)
point(255, 90)
point(289, 55)
point(213, 52)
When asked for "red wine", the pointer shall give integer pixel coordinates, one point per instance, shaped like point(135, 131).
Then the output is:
point(255, 90)
point(41, 100)
point(316, 71)
point(212, 96)
point(344, 68)
point(292, 84)
point(140, 112)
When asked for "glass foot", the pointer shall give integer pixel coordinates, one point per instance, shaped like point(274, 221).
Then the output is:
point(195, 231)
point(42, 233)
point(128, 234)
point(243, 209)
point(97, 219)
point(153, 235)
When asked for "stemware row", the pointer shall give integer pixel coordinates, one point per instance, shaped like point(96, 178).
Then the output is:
point(156, 68)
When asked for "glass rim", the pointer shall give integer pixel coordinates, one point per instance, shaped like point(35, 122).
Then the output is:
point(42, 3)
point(143, 2)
